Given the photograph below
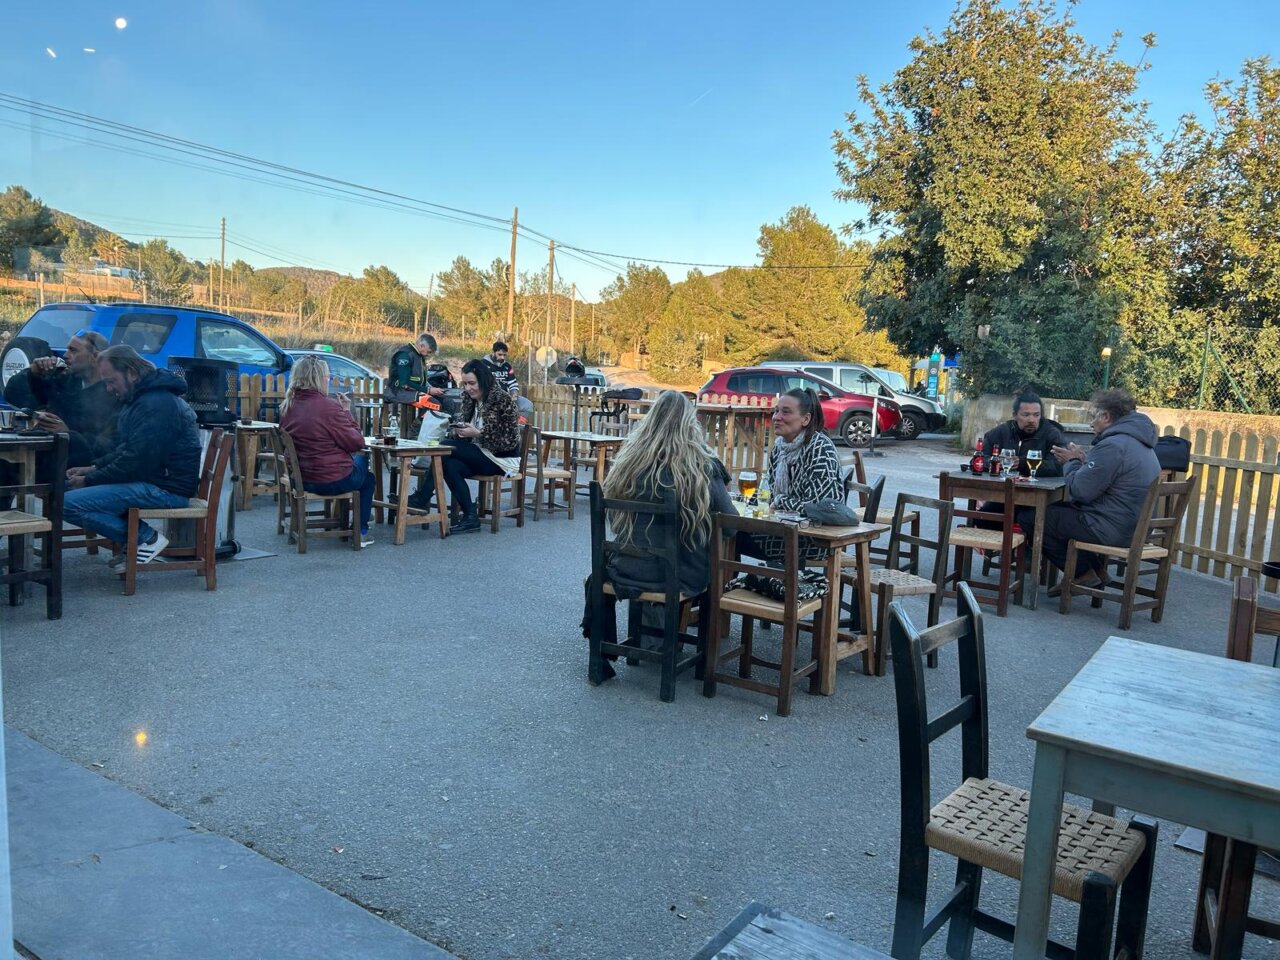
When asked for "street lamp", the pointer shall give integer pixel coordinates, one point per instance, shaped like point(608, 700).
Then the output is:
point(1106, 367)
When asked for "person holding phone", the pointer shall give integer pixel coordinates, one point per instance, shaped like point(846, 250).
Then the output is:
point(485, 441)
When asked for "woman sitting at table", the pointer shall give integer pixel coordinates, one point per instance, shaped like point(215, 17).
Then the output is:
point(667, 451)
point(486, 442)
point(329, 444)
point(803, 468)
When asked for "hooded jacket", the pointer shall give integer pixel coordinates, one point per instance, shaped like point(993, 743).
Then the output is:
point(157, 440)
point(1111, 484)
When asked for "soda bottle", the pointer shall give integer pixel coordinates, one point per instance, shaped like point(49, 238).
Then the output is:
point(763, 495)
point(978, 462)
point(997, 462)
point(393, 427)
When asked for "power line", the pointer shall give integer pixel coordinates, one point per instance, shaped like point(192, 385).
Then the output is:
point(166, 140)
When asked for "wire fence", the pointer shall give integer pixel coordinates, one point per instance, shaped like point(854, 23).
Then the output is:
point(1225, 369)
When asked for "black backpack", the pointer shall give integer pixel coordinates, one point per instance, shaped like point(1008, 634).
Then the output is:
point(1174, 453)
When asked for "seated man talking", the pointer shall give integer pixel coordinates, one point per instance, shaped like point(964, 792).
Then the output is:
point(155, 461)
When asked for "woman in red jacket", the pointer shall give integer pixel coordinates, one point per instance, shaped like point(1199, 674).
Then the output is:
point(326, 438)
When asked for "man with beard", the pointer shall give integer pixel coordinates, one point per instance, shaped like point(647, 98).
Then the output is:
point(1028, 430)
point(155, 461)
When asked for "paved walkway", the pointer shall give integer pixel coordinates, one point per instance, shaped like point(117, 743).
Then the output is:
point(425, 708)
point(100, 873)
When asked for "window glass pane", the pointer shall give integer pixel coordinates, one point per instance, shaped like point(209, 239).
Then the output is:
point(824, 372)
point(145, 332)
point(56, 325)
point(221, 341)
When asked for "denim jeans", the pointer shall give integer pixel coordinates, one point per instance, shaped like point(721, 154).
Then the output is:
point(359, 479)
point(104, 509)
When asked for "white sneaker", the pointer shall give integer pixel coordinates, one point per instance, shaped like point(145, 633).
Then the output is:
point(149, 551)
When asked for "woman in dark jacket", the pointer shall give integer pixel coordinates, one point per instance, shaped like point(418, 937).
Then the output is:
point(667, 451)
point(326, 438)
point(486, 442)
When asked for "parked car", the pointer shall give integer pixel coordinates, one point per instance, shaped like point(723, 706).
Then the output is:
point(919, 414)
point(846, 415)
point(340, 368)
point(156, 331)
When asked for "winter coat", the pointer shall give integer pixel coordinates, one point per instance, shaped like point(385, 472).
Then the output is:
point(89, 413)
point(157, 440)
point(406, 376)
point(324, 435)
point(1008, 437)
point(813, 477)
point(1111, 484)
point(632, 576)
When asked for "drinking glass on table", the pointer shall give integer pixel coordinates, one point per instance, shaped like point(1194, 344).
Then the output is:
point(747, 483)
point(1035, 456)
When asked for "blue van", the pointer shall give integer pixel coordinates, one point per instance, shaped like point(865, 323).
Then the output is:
point(157, 332)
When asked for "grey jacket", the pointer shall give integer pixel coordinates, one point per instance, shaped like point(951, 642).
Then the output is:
point(632, 576)
point(1111, 483)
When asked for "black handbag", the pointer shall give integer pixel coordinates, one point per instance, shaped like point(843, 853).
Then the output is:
point(1174, 453)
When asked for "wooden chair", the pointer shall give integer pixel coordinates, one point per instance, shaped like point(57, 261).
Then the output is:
point(17, 525)
point(492, 487)
point(760, 932)
point(1008, 544)
point(603, 597)
point(548, 479)
point(752, 606)
point(888, 583)
point(1149, 553)
point(1227, 870)
point(302, 523)
point(982, 823)
point(202, 508)
point(869, 495)
point(910, 518)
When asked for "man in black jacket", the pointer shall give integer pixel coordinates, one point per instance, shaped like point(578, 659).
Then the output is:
point(504, 375)
point(407, 372)
point(1028, 430)
point(155, 461)
point(72, 398)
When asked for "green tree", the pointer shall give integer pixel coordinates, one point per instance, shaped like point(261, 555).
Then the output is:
point(24, 222)
point(690, 330)
point(635, 303)
point(110, 247)
point(166, 274)
point(1004, 167)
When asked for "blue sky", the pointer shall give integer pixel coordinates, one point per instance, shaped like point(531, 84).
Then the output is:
point(666, 130)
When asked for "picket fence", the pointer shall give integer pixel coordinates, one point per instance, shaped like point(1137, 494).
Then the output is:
point(1231, 526)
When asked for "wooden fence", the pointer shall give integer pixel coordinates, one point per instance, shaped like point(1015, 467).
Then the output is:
point(1232, 523)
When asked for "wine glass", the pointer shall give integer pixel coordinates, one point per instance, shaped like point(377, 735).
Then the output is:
point(1035, 456)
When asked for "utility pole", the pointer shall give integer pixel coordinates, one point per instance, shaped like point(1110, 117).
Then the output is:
point(594, 351)
point(551, 275)
point(222, 270)
point(573, 319)
point(431, 289)
point(511, 274)
point(208, 294)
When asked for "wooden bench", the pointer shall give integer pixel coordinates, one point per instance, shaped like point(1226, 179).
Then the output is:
point(760, 932)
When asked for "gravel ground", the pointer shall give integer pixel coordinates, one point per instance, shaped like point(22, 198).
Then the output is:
point(425, 708)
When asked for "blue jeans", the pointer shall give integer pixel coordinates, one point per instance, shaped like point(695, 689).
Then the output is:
point(104, 509)
point(360, 479)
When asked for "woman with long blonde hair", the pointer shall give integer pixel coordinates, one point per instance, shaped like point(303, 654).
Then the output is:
point(667, 451)
point(329, 443)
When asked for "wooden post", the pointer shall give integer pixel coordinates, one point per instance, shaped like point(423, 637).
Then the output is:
point(573, 319)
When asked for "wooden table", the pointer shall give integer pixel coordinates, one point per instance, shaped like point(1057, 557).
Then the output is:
point(1038, 494)
point(403, 454)
point(248, 435)
point(24, 452)
point(599, 444)
point(844, 643)
point(1180, 735)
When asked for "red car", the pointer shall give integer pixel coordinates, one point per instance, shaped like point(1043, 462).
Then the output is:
point(845, 416)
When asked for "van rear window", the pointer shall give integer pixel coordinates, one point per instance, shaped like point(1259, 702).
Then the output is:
point(145, 332)
point(57, 324)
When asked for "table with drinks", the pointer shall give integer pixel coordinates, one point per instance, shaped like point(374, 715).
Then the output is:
point(599, 445)
point(397, 456)
point(984, 481)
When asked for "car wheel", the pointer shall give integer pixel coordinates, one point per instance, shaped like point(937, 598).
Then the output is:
point(911, 427)
point(856, 430)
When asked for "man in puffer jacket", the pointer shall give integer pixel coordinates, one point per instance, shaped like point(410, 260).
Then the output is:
point(155, 462)
point(1106, 484)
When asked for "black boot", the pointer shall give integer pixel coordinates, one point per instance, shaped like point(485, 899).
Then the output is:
point(420, 499)
point(470, 521)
